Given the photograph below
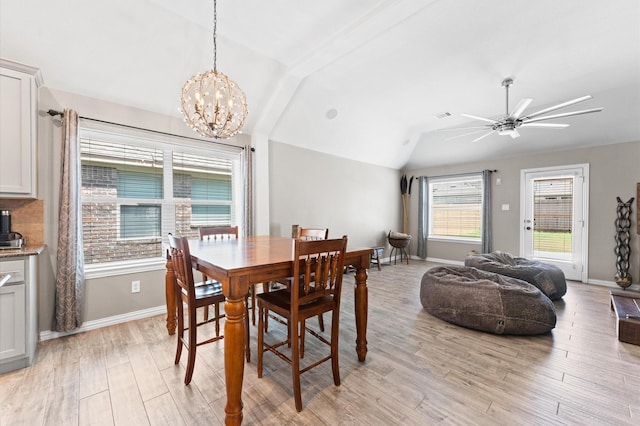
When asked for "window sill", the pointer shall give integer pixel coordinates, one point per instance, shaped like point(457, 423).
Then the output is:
point(455, 240)
point(112, 269)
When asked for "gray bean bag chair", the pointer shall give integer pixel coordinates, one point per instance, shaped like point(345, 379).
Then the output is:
point(548, 278)
point(486, 301)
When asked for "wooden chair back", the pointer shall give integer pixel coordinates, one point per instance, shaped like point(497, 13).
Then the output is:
point(313, 234)
point(319, 271)
point(181, 259)
point(218, 232)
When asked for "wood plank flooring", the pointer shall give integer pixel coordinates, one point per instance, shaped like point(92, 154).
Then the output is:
point(419, 370)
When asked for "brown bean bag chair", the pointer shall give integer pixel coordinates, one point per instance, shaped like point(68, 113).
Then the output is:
point(548, 278)
point(486, 301)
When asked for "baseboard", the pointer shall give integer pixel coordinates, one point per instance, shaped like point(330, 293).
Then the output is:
point(445, 261)
point(105, 322)
point(612, 284)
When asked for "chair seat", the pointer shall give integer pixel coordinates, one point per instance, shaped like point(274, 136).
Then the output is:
point(280, 303)
point(208, 289)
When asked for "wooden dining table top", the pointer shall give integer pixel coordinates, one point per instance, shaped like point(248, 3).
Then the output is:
point(247, 255)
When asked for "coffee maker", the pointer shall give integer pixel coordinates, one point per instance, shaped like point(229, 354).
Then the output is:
point(8, 238)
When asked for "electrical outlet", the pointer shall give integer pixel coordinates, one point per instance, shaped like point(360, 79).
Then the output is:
point(135, 286)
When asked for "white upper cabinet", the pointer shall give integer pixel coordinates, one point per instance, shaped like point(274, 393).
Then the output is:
point(18, 119)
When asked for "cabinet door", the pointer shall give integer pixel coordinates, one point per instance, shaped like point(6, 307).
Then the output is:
point(12, 321)
point(17, 134)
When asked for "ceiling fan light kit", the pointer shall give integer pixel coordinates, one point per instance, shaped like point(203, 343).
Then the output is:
point(509, 124)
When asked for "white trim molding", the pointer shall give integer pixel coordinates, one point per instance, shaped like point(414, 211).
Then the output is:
point(105, 322)
point(444, 261)
point(612, 284)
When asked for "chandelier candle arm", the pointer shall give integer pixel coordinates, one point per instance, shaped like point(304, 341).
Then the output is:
point(212, 104)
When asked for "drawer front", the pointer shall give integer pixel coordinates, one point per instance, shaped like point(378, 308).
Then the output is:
point(15, 268)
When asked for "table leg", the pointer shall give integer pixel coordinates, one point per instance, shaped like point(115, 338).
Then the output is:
point(361, 307)
point(170, 296)
point(234, 345)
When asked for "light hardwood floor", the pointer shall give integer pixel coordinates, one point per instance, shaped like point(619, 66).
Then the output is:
point(419, 370)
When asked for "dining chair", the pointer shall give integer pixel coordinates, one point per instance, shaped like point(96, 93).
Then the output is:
point(318, 268)
point(218, 232)
point(215, 233)
point(194, 296)
point(229, 232)
point(307, 234)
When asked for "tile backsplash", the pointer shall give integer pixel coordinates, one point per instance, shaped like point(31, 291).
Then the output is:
point(27, 218)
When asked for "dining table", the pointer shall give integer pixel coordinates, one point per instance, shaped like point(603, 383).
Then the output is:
point(239, 263)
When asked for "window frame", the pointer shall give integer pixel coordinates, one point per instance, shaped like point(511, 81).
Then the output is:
point(452, 179)
point(168, 145)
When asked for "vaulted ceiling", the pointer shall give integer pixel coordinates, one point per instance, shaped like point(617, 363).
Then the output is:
point(388, 68)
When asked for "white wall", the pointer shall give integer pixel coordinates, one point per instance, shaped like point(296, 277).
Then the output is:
point(317, 190)
point(614, 171)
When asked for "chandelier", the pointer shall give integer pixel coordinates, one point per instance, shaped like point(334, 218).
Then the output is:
point(213, 105)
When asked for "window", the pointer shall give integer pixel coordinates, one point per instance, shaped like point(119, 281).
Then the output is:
point(135, 191)
point(552, 216)
point(455, 208)
point(202, 190)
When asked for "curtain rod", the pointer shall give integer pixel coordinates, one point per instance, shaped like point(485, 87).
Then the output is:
point(53, 113)
point(457, 174)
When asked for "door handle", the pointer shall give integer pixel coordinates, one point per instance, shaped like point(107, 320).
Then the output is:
point(528, 228)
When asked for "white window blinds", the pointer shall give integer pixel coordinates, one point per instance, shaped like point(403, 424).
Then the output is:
point(455, 207)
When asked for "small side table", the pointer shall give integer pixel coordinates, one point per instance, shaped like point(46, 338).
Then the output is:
point(626, 305)
point(375, 256)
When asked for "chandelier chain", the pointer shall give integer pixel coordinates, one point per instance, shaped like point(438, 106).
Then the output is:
point(215, 28)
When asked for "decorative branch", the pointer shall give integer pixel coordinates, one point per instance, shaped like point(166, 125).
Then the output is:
point(405, 191)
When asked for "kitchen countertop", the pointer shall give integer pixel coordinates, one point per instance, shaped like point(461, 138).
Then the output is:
point(23, 251)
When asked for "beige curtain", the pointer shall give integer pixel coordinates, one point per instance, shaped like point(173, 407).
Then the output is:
point(70, 259)
point(247, 181)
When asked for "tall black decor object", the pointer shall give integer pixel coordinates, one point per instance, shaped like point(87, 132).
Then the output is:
point(623, 237)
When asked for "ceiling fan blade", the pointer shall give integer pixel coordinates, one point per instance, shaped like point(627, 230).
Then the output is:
point(464, 128)
point(566, 114)
point(483, 136)
point(514, 134)
point(517, 112)
point(562, 105)
point(547, 125)
point(475, 117)
point(465, 134)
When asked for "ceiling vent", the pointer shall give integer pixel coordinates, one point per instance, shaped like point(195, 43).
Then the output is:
point(442, 115)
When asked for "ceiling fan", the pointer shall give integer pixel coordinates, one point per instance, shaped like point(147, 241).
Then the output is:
point(509, 124)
